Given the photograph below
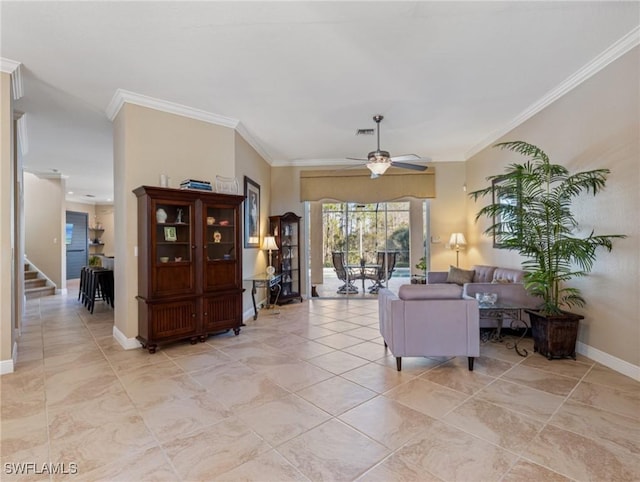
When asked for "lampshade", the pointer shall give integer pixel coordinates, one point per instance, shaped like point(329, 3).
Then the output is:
point(457, 241)
point(378, 168)
point(269, 243)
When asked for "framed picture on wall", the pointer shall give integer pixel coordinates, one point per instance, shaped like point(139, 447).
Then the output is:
point(506, 197)
point(251, 213)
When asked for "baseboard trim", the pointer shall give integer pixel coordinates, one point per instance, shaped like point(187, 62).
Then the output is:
point(610, 361)
point(247, 315)
point(9, 366)
point(126, 343)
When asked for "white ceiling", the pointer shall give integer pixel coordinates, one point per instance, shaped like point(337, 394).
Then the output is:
point(301, 77)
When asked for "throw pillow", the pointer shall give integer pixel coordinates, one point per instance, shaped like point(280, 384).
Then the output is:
point(501, 281)
point(460, 276)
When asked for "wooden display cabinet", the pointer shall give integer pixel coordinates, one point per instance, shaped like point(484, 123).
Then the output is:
point(286, 230)
point(189, 265)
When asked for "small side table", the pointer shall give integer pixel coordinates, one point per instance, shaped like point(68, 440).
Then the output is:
point(499, 312)
point(264, 280)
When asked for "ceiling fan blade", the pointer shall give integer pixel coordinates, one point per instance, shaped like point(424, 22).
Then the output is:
point(404, 165)
point(357, 159)
point(406, 157)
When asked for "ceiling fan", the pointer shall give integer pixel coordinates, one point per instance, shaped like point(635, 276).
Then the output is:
point(379, 161)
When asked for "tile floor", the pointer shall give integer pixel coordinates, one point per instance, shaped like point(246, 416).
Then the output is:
point(330, 284)
point(306, 392)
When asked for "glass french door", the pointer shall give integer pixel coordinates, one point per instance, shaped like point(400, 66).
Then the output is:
point(360, 232)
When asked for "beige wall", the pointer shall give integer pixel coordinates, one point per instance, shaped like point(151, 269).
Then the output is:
point(448, 210)
point(6, 257)
point(44, 214)
point(90, 209)
point(595, 125)
point(148, 143)
point(447, 214)
point(102, 213)
point(249, 163)
point(285, 188)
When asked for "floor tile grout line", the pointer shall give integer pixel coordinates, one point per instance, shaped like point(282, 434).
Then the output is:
point(44, 389)
point(567, 398)
point(85, 322)
point(544, 425)
point(137, 410)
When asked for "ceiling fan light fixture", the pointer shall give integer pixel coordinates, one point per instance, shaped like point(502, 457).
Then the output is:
point(378, 168)
point(379, 156)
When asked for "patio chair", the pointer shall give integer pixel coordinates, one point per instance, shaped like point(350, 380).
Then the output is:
point(386, 263)
point(344, 274)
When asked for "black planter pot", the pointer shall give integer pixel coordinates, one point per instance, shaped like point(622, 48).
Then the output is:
point(555, 336)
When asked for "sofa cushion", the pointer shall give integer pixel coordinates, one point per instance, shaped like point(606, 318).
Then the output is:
point(459, 276)
point(430, 292)
point(483, 274)
point(511, 275)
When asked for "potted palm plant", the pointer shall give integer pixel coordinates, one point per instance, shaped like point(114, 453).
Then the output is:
point(530, 213)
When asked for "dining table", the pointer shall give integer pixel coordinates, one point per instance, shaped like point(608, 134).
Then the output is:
point(363, 271)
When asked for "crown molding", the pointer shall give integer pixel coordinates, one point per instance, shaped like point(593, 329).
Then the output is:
point(614, 52)
point(246, 135)
point(45, 174)
point(124, 96)
point(13, 68)
point(121, 96)
point(317, 163)
point(23, 140)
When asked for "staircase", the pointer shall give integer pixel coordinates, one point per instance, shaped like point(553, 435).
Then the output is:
point(34, 285)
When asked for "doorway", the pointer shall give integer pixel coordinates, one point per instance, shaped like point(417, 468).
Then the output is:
point(361, 232)
point(76, 241)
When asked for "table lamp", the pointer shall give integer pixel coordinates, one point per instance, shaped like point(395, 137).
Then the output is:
point(457, 242)
point(269, 244)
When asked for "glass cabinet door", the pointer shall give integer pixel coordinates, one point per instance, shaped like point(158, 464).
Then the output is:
point(286, 229)
point(172, 246)
point(220, 233)
point(220, 241)
point(290, 253)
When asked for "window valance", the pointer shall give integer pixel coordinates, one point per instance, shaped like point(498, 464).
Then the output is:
point(357, 185)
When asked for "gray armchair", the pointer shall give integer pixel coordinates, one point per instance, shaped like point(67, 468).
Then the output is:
point(429, 320)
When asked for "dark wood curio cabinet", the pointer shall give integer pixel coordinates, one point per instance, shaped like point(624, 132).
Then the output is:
point(286, 230)
point(189, 265)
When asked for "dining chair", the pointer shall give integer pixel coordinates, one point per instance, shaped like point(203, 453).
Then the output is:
point(344, 274)
point(385, 265)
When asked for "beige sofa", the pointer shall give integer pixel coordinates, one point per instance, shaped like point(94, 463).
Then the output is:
point(507, 283)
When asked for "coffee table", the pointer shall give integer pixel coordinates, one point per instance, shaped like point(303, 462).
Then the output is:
point(500, 311)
